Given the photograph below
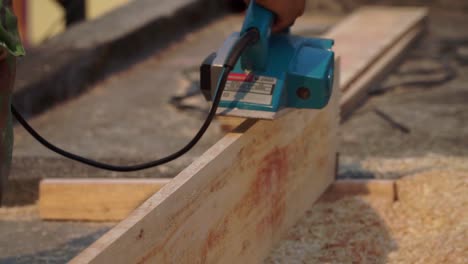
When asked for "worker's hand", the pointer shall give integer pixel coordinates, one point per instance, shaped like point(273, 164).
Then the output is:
point(286, 11)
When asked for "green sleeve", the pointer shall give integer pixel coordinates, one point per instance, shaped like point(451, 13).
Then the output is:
point(9, 37)
point(10, 48)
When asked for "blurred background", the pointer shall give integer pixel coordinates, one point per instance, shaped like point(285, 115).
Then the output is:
point(40, 20)
point(117, 80)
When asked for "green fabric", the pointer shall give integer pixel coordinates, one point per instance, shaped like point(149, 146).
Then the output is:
point(7, 78)
point(9, 37)
point(10, 45)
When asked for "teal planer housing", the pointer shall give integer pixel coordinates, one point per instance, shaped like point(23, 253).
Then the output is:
point(279, 71)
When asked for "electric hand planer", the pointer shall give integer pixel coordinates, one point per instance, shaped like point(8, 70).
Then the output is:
point(278, 72)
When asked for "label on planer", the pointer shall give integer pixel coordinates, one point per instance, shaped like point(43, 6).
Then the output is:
point(249, 88)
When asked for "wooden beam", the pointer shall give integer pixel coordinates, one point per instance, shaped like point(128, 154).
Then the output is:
point(94, 199)
point(236, 200)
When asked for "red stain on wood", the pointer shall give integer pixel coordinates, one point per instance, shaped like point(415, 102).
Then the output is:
point(215, 236)
point(245, 246)
point(273, 219)
point(219, 183)
point(322, 162)
point(158, 248)
point(214, 239)
point(268, 190)
point(271, 185)
point(265, 195)
point(176, 221)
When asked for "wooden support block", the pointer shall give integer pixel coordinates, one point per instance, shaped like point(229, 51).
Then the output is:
point(384, 190)
point(94, 199)
point(115, 199)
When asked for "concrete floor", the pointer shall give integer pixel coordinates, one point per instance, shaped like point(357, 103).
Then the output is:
point(435, 114)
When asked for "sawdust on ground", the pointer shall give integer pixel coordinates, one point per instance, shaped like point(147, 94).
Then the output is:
point(428, 224)
point(22, 213)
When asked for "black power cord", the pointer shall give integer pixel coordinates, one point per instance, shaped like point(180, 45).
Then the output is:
point(247, 39)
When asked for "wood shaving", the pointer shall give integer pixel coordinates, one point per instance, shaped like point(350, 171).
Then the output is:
point(428, 224)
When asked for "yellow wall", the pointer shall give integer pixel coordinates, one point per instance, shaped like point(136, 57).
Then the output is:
point(96, 8)
point(46, 18)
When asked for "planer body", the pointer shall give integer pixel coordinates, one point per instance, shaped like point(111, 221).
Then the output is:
point(280, 71)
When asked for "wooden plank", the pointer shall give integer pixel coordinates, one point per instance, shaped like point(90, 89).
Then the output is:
point(356, 92)
point(368, 34)
point(94, 199)
point(235, 201)
point(384, 190)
